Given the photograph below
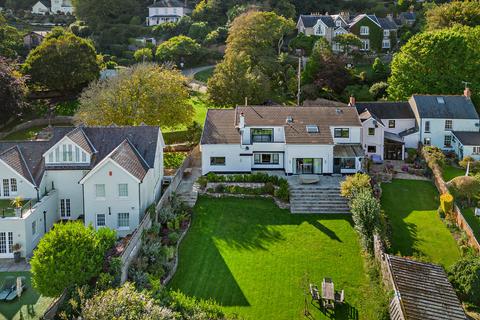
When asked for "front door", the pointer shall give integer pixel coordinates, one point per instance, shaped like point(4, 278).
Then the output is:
point(6, 244)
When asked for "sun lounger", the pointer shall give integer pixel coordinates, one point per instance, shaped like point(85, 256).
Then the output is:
point(7, 287)
point(309, 178)
point(15, 292)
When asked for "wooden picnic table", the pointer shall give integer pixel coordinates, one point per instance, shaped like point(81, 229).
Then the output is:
point(328, 291)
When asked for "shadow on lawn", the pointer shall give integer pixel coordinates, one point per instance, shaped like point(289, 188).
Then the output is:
point(399, 202)
point(330, 233)
point(344, 311)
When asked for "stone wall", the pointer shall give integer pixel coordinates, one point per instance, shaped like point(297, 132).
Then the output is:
point(37, 122)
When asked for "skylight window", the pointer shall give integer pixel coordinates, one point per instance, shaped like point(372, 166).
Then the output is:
point(440, 100)
point(311, 128)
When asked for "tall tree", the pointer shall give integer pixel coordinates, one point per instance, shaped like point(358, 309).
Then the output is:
point(145, 93)
point(179, 49)
point(10, 40)
point(447, 15)
point(69, 255)
point(63, 62)
point(12, 90)
point(436, 62)
point(253, 54)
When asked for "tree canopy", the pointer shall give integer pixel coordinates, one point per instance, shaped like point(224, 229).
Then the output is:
point(124, 303)
point(63, 62)
point(12, 90)
point(179, 49)
point(10, 40)
point(69, 255)
point(145, 93)
point(254, 66)
point(436, 62)
point(449, 14)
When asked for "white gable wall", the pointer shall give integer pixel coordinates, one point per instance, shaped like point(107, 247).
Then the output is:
point(377, 140)
point(234, 162)
point(295, 151)
point(111, 175)
point(40, 8)
point(24, 188)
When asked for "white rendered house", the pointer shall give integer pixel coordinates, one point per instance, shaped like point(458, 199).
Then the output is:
point(163, 11)
point(449, 122)
point(106, 176)
point(295, 140)
point(41, 7)
point(62, 6)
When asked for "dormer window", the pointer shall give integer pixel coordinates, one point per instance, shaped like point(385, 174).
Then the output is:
point(67, 153)
point(338, 23)
point(311, 128)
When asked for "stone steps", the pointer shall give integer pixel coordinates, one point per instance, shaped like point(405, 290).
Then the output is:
point(317, 199)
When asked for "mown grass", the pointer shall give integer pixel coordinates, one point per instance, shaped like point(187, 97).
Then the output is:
point(257, 261)
point(411, 206)
point(31, 305)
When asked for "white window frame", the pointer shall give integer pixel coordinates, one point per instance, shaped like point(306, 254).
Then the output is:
point(445, 141)
point(123, 221)
point(123, 193)
point(476, 150)
point(386, 44)
point(364, 30)
point(104, 220)
point(338, 23)
point(65, 208)
point(100, 191)
point(371, 131)
point(427, 127)
point(448, 125)
point(386, 33)
point(13, 186)
point(6, 187)
point(365, 44)
point(427, 141)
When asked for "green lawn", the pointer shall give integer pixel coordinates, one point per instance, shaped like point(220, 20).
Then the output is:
point(257, 260)
point(473, 222)
point(31, 304)
point(6, 208)
point(411, 206)
point(204, 75)
point(450, 172)
point(29, 134)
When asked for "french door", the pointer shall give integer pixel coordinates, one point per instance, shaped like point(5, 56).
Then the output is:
point(6, 244)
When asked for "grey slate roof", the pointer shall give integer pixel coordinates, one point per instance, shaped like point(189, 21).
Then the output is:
point(168, 4)
point(468, 138)
point(129, 159)
point(387, 110)
point(387, 24)
point(424, 290)
point(46, 3)
point(455, 107)
point(365, 115)
point(102, 139)
point(310, 20)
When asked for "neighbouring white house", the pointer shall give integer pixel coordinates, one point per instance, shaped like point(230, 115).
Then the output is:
point(449, 122)
point(388, 128)
point(41, 7)
point(105, 176)
point(295, 140)
point(53, 6)
point(163, 11)
point(62, 6)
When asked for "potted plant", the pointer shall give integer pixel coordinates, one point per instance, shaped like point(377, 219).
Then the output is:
point(17, 203)
point(16, 252)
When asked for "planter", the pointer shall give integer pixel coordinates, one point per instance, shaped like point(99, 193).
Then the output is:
point(18, 212)
point(17, 256)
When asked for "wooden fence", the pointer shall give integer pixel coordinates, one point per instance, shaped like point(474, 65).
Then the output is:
point(135, 242)
point(459, 218)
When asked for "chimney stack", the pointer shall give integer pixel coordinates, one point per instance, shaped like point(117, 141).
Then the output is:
point(467, 93)
point(241, 121)
point(352, 101)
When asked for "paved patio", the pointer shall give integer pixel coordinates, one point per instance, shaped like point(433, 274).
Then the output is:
point(8, 265)
point(379, 169)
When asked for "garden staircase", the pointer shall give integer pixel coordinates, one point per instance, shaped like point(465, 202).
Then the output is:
point(317, 199)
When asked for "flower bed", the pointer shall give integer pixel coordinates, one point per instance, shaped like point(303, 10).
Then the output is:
point(157, 259)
